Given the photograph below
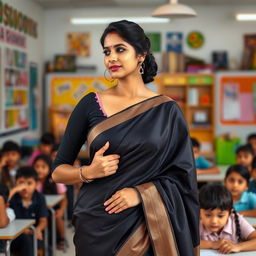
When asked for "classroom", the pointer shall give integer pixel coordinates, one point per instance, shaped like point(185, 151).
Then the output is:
point(127, 127)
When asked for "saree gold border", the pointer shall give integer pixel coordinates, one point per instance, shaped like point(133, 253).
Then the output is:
point(158, 221)
point(137, 244)
point(124, 116)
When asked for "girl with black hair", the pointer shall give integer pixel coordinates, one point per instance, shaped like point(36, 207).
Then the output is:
point(42, 164)
point(139, 192)
point(237, 182)
point(221, 227)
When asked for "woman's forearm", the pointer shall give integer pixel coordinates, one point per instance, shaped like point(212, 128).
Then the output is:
point(68, 174)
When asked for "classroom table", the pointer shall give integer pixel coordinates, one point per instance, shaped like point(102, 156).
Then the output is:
point(15, 229)
point(204, 252)
point(51, 201)
point(213, 177)
point(252, 221)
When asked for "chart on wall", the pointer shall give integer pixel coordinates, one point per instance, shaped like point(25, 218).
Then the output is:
point(70, 89)
point(15, 100)
point(238, 99)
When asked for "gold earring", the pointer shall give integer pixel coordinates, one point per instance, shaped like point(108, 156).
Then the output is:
point(109, 80)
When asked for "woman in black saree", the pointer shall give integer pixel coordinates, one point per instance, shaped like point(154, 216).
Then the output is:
point(139, 194)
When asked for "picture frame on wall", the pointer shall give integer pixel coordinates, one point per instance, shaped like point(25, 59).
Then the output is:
point(65, 63)
point(79, 44)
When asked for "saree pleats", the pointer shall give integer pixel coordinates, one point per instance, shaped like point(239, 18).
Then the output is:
point(156, 158)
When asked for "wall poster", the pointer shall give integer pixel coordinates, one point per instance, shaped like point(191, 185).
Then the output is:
point(238, 100)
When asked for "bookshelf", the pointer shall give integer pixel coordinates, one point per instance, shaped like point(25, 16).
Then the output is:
point(194, 93)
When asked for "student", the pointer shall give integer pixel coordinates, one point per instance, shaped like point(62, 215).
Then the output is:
point(202, 165)
point(237, 182)
point(12, 153)
point(45, 148)
point(28, 203)
point(42, 165)
point(3, 163)
point(244, 156)
point(7, 214)
point(252, 184)
point(221, 228)
point(251, 139)
point(54, 151)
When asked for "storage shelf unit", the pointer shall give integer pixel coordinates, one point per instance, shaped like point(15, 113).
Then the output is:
point(194, 93)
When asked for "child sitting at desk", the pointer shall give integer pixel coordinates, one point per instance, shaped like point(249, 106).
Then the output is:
point(202, 165)
point(11, 153)
point(252, 184)
point(42, 165)
point(244, 156)
point(237, 182)
point(7, 214)
point(47, 142)
point(27, 203)
point(221, 228)
point(251, 139)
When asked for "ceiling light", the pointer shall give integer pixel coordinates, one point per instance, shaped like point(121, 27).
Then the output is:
point(174, 10)
point(246, 16)
point(82, 21)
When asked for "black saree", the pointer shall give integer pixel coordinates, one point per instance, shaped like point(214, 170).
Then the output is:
point(156, 158)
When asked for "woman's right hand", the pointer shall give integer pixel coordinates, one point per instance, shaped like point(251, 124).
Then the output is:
point(101, 166)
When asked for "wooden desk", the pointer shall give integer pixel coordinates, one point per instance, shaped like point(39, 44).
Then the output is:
point(15, 229)
point(215, 253)
point(51, 201)
point(213, 177)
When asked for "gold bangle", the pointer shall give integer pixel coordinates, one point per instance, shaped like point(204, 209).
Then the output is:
point(82, 178)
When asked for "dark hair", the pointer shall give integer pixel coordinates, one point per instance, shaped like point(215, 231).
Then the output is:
point(134, 35)
point(195, 143)
point(251, 136)
point(245, 148)
point(11, 146)
point(26, 172)
point(254, 163)
point(4, 192)
point(48, 187)
point(215, 195)
point(55, 147)
point(240, 169)
point(47, 138)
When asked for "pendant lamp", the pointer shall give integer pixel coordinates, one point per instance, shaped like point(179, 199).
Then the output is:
point(174, 10)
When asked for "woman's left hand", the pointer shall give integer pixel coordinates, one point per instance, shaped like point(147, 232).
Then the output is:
point(122, 200)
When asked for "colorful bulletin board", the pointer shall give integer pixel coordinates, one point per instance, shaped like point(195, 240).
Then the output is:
point(65, 91)
point(69, 90)
point(238, 99)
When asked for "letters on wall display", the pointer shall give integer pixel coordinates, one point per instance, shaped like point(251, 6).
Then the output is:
point(15, 27)
point(12, 18)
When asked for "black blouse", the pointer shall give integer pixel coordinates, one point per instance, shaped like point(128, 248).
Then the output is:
point(86, 115)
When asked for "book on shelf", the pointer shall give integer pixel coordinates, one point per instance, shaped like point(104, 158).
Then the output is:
point(173, 62)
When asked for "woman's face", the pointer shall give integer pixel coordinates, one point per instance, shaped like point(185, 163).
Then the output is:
point(120, 58)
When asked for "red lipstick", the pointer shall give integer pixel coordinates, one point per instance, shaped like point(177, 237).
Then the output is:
point(114, 67)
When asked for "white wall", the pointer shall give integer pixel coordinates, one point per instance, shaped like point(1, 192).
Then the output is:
point(34, 51)
point(217, 23)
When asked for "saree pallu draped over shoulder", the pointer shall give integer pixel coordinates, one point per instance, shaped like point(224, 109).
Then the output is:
point(156, 159)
